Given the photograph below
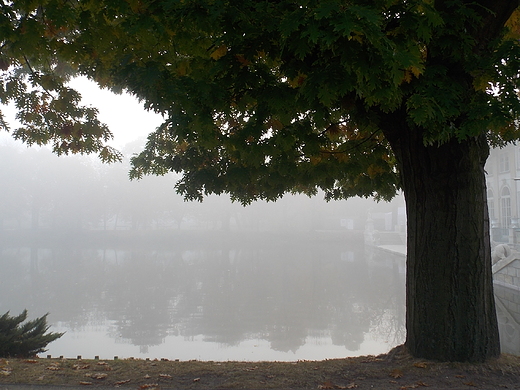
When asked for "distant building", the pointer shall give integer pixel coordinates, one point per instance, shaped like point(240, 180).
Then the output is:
point(503, 181)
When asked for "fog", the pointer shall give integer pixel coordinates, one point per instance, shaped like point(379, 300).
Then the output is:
point(128, 268)
point(79, 193)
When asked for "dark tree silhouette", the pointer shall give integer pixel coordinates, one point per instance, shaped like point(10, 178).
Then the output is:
point(24, 340)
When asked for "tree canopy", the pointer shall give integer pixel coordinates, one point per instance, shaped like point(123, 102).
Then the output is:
point(262, 98)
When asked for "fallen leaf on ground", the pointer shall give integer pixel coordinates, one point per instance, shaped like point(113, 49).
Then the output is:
point(149, 385)
point(32, 361)
point(105, 366)
point(119, 383)
point(396, 373)
point(327, 385)
point(5, 371)
point(196, 380)
point(421, 383)
point(470, 384)
point(165, 376)
point(81, 366)
point(96, 375)
point(349, 386)
point(85, 383)
point(370, 359)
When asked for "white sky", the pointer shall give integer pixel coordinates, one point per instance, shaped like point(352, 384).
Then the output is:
point(124, 115)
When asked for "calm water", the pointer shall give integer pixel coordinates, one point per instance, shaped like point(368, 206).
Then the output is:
point(266, 298)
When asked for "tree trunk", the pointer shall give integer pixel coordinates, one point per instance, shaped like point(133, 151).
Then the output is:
point(449, 286)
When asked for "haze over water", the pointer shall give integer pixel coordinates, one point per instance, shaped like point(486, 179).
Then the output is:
point(248, 297)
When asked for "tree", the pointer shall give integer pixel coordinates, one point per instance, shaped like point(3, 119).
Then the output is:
point(24, 340)
point(355, 98)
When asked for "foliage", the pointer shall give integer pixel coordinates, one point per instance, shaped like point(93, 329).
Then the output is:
point(33, 77)
point(24, 340)
point(266, 97)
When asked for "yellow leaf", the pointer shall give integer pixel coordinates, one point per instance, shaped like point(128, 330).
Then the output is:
point(182, 68)
point(315, 160)
point(357, 36)
point(420, 365)
point(407, 76)
point(298, 80)
point(412, 71)
point(243, 60)
point(275, 124)
point(219, 52)
point(513, 24)
point(342, 157)
point(374, 170)
point(416, 71)
point(481, 83)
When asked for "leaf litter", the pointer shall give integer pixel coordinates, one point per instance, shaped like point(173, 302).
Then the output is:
point(396, 370)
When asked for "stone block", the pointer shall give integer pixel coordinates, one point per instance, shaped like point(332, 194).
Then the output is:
point(513, 307)
point(499, 277)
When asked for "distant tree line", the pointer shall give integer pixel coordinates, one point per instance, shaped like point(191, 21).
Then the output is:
point(80, 193)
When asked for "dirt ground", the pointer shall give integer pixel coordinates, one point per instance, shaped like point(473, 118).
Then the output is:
point(395, 370)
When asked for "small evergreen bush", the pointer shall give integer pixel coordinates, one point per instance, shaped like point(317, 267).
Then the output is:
point(24, 340)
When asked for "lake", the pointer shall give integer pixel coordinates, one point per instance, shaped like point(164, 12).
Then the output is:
point(194, 295)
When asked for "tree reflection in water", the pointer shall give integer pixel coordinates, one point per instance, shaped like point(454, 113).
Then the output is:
point(286, 290)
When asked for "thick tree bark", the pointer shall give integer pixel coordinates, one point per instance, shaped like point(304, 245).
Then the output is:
point(449, 287)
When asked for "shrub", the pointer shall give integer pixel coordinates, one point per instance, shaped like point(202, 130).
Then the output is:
point(24, 340)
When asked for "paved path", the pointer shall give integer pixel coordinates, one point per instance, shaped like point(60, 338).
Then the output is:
point(400, 249)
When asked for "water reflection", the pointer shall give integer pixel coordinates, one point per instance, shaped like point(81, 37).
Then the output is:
point(282, 297)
